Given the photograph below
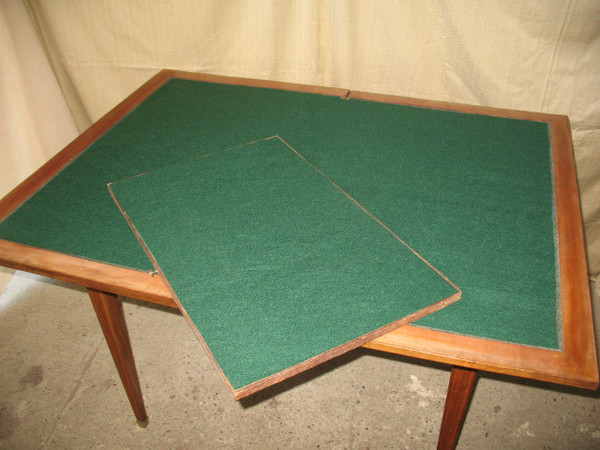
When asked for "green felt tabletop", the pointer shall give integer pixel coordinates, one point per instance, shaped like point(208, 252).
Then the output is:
point(272, 263)
point(473, 194)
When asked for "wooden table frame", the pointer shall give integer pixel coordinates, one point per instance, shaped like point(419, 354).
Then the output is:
point(574, 365)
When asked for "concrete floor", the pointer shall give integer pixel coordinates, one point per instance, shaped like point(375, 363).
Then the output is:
point(59, 389)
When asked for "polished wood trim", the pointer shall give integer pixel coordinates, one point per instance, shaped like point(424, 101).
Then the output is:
point(110, 315)
point(451, 106)
point(83, 272)
point(460, 390)
point(578, 327)
point(269, 84)
point(481, 354)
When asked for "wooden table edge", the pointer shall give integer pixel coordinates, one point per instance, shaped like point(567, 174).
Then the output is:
point(453, 106)
point(483, 354)
point(254, 82)
point(95, 275)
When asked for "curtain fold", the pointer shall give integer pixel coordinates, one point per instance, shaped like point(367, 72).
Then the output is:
point(35, 121)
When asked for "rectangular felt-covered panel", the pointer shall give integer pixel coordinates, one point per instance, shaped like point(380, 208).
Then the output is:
point(276, 267)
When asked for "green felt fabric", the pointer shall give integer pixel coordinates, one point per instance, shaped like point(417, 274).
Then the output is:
point(473, 194)
point(272, 263)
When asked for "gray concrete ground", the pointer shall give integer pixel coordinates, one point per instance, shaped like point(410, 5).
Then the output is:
point(59, 389)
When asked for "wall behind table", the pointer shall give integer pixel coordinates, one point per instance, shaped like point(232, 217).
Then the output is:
point(538, 55)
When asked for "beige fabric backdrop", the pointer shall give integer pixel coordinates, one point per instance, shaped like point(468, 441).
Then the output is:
point(539, 55)
point(35, 121)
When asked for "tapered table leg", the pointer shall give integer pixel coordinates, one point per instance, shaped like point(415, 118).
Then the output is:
point(458, 398)
point(110, 314)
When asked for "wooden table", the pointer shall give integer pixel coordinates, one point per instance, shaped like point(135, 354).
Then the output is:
point(571, 361)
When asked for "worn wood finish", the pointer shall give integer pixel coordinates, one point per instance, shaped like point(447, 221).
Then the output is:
point(110, 315)
point(281, 85)
point(580, 358)
point(92, 274)
point(450, 106)
point(458, 398)
point(481, 354)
